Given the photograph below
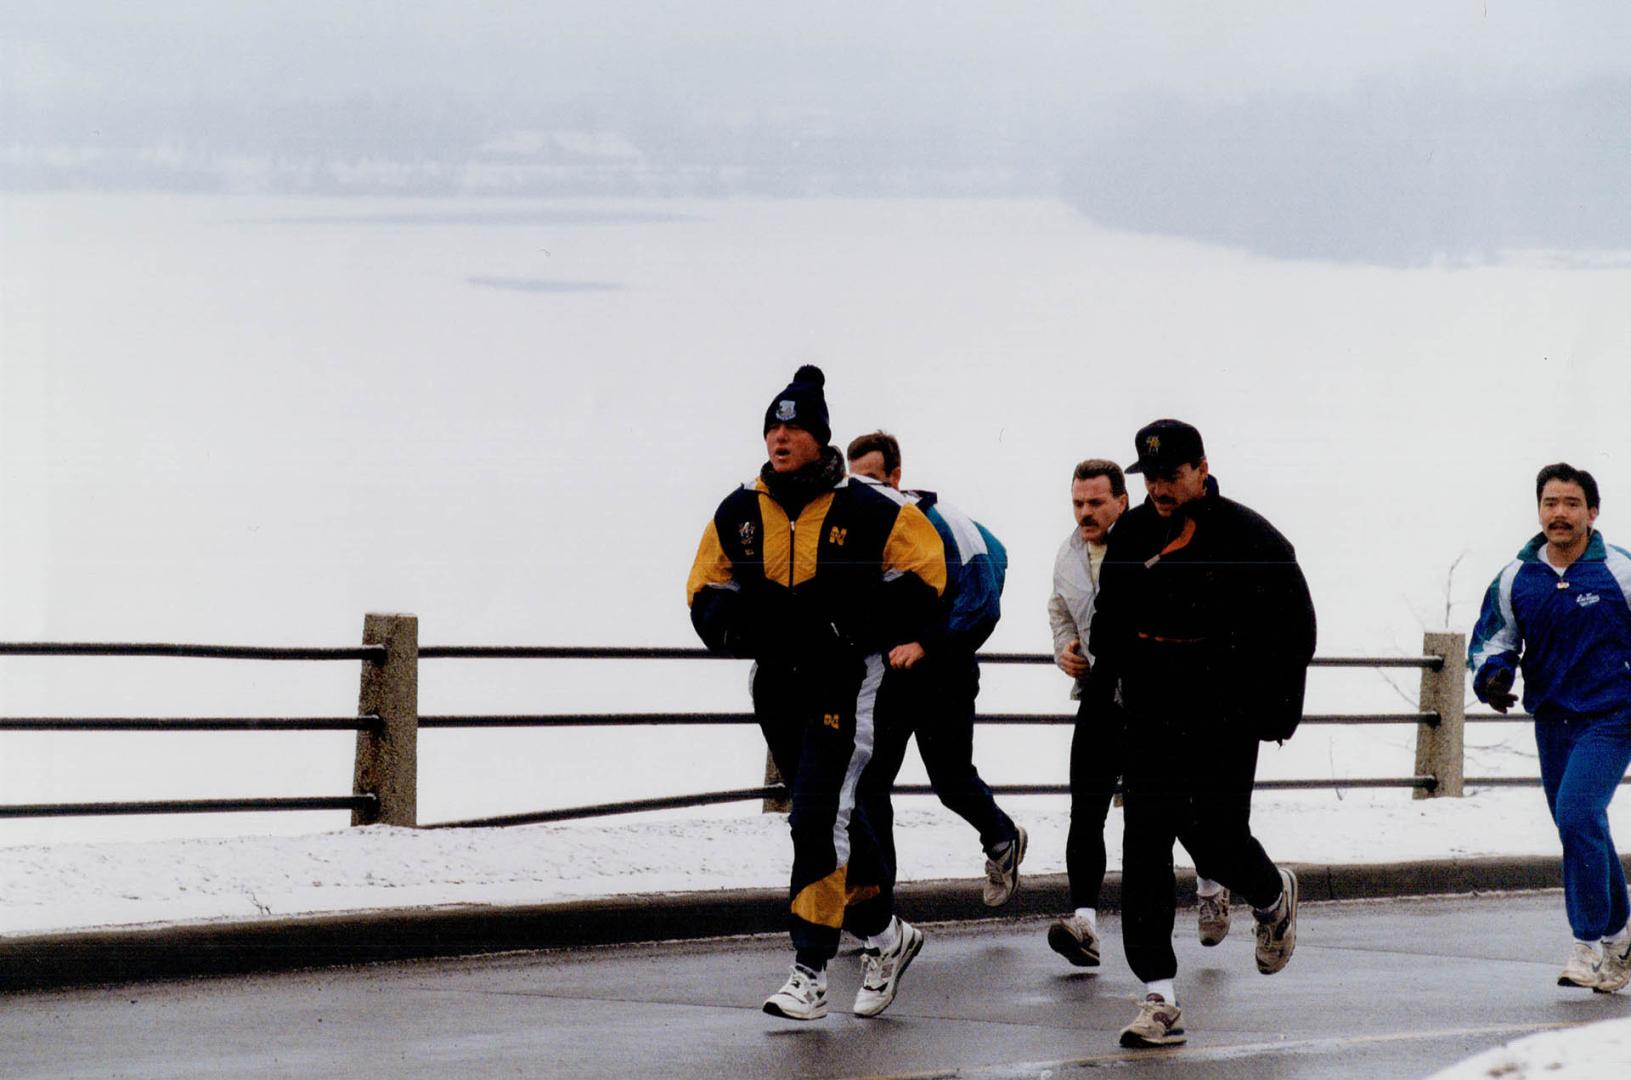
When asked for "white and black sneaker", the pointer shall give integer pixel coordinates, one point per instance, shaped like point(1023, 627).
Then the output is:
point(1277, 927)
point(802, 997)
point(1615, 971)
point(1002, 870)
point(881, 971)
point(1584, 967)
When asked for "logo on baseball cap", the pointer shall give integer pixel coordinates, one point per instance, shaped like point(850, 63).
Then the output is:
point(1163, 445)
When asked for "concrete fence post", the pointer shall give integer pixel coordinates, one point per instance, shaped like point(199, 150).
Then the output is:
point(387, 765)
point(1440, 751)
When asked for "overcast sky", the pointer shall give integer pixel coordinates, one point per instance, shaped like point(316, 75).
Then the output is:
point(930, 55)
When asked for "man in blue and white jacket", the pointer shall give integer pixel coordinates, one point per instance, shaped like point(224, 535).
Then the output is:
point(932, 683)
point(1559, 612)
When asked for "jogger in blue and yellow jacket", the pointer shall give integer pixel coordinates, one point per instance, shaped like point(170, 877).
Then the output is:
point(814, 578)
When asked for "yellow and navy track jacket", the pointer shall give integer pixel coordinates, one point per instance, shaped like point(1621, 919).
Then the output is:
point(859, 557)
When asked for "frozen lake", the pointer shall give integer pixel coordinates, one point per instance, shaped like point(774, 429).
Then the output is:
point(250, 420)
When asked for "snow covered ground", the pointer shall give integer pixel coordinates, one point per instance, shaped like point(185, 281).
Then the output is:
point(1598, 1051)
point(80, 885)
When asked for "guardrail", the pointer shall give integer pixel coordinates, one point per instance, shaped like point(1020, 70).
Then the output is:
point(385, 770)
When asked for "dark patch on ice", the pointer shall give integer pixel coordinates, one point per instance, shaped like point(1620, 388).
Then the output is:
point(539, 285)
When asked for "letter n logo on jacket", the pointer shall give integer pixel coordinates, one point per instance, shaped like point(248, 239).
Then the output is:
point(837, 536)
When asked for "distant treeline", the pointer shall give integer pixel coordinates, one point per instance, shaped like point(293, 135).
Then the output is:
point(1393, 175)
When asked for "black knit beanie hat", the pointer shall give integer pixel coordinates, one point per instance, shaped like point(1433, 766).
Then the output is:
point(802, 403)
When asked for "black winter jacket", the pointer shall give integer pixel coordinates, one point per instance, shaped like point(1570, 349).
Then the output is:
point(1219, 582)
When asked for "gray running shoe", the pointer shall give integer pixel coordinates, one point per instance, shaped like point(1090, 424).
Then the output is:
point(1615, 972)
point(1277, 931)
point(1159, 1023)
point(1002, 872)
point(1214, 917)
point(1584, 968)
point(1073, 938)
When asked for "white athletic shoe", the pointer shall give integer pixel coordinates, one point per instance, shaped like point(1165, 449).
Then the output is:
point(1159, 1023)
point(1073, 938)
point(1277, 931)
point(1214, 918)
point(1615, 972)
point(1002, 873)
point(1584, 967)
point(802, 997)
point(881, 971)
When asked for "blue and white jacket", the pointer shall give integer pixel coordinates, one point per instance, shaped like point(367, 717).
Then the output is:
point(1569, 632)
point(976, 566)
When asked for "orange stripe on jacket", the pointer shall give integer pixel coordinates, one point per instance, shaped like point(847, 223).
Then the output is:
point(914, 547)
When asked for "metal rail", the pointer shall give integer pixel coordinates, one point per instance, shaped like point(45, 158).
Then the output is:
point(573, 720)
point(568, 720)
point(374, 653)
point(378, 654)
point(594, 652)
point(188, 806)
point(201, 723)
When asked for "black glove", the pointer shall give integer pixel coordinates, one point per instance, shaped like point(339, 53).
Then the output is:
point(1498, 691)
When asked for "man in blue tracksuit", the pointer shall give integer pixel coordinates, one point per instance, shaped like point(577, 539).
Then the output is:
point(1559, 612)
point(932, 683)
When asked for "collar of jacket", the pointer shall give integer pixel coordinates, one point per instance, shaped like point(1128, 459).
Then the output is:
point(1595, 549)
point(796, 489)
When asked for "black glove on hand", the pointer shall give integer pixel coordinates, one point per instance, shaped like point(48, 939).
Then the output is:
point(1498, 691)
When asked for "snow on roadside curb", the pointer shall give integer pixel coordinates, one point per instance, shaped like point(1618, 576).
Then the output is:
point(77, 886)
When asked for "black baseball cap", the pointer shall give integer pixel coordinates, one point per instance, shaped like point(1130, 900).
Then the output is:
point(1163, 445)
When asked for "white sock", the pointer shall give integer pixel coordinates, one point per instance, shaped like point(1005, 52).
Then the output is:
point(1592, 945)
point(1164, 987)
point(1207, 887)
point(886, 939)
point(1619, 941)
point(1273, 910)
point(1091, 915)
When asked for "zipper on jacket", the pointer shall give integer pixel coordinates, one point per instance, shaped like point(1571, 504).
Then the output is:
point(792, 550)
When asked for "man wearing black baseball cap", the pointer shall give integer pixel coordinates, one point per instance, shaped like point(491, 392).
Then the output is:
point(1203, 619)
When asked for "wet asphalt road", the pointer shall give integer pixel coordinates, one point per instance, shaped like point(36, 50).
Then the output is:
point(1393, 988)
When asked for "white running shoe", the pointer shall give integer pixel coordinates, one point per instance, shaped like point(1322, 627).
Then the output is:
point(1159, 1023)
point(1615, 972)
point(1213, 917)
point(1002, 873)
point(881, 971)
point(802, 997)
point(1584, 967)
point(1277, 931)
point(1073, 938)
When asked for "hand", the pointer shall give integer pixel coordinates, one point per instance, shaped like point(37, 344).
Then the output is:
point(904, 656)
point(1498, 692)
point(1072, 661)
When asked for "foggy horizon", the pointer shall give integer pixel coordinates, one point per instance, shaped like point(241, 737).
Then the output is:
point(1395, 136)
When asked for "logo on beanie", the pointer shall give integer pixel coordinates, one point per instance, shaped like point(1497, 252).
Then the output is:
point(786, 409)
